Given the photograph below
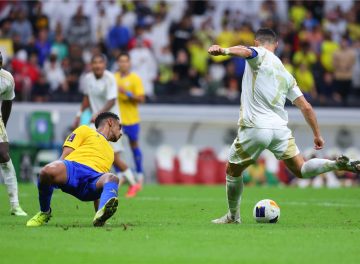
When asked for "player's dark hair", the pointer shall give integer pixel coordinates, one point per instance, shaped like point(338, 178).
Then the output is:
point(105, 116)
point(266, 35)
point(123, 54)
point(99, 56)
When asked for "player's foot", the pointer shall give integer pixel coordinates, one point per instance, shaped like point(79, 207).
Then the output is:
point(345, 163)
point(106, 212)
point(39, 219)
point(17, 211)
point(227, 219)
point(132, 191)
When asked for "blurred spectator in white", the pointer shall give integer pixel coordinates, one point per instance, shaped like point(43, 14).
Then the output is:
point(344, 61)
point(22, 27)
point(158, 35)
point(79, 31)
point(101, 25)
point(118, 36)
point(356, 69)
point(113, 9)
point(54, 73)
point(129, 17)
point(143, 63)
point(336, 25)
point(60, 11)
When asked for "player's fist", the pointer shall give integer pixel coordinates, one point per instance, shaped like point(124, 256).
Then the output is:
point(319, 143)
point(216, 50)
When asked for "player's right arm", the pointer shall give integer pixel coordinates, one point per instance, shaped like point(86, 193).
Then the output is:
point(310, 117)
point(66, 152)
point(84, 104)
point(240, 51)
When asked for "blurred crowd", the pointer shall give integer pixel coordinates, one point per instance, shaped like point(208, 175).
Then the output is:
point(48, 45)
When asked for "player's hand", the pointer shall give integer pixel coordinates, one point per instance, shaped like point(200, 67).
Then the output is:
point(319, 143)
point(122, 90)
point(216, 50)
point(93, 117)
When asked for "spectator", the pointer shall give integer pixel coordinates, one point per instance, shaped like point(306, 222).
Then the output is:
point(344, 61)
point(43, 46)
point(59, 47)
point(198, 56)
point(180, 34)
point(5, 29)
point(39, 20)
point(297, 13)
point(139, 36)
point(226, 38)
point(54, 74)
point(305, 55)
point(101, 26)
point(119, 36)
point(41, 89)
point(310, 22)
point(22, 27)
point(328, 48)
point(305, 80)
point(327, 90)
point(335, 25)
point(79, 31)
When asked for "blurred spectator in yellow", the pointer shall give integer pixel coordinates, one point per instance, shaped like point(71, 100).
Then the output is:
point(287, 64)
point(297, 13)
point(244, 35)
point(226, 38)
point(198, 56)
point(353, 27)
point(344, 61)
point(305, 80)
point(305, 55)
point(328, 48)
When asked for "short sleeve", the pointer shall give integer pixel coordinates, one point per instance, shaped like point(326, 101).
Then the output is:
point(111, 92)
point(294, 91)
point(75, 139)
point(255, 61)
point(9, 93)
point(139, 88)
point(84, 83)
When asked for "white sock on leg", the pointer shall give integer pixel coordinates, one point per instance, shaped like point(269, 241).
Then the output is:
point(129, 175)
point(316, 166)
point(234, 189)
point(8, 172)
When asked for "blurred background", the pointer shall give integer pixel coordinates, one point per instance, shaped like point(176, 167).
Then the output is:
point(192, 100)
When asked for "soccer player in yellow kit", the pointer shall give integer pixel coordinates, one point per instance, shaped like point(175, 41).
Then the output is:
point(83, 170)
point(131, 94)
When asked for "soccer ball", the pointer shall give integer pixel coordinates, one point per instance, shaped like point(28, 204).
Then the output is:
point(266, 211)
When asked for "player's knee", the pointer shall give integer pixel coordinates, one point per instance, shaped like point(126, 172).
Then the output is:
point(234, 170)
point(112, 178)
point(46, 174)
point(4, 156)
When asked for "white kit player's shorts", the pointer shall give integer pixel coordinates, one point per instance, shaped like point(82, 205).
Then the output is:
point(117, 146)
point(250, 142)
point(3, 134)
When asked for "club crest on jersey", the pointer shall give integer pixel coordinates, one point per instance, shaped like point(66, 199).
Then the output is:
point(71, 137)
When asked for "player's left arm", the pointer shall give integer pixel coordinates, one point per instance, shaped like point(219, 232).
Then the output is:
point(6, 106)
point(138, 94)
point(240, 51)
point(66, 152)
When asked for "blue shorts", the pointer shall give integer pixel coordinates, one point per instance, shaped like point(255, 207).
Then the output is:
point(132, 131)
point(81, 181)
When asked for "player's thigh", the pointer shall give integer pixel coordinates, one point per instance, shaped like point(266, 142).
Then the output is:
point(247, 147)
point(54, 173)
point(283, 144)
point(106, 177)
point(132, 132)
point(294, 164)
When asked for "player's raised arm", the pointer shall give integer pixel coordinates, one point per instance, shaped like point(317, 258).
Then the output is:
point(240, 51)
point(310, 117)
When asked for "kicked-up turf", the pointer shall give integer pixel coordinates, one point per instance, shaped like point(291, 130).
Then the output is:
point(172, 225)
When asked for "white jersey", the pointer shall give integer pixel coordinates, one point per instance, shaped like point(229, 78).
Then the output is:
point(100, 91)
point(7, 85)
point(265, 86)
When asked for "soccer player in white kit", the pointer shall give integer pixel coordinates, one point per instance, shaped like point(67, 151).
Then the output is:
point(100, 94)
point(263, 120)
point(7, 94)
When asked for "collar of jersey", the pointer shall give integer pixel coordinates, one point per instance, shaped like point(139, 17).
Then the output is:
point(102, 134)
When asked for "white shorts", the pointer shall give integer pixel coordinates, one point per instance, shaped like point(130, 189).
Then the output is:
point(117, 146)
point(3, 134)
point(250, 142)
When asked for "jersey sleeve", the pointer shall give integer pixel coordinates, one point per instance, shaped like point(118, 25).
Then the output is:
point(84, 85)
point(111, 92)
point(256, 58)
point(294, 91)
point(9, 94)
point(138, 86)
point(76, 138)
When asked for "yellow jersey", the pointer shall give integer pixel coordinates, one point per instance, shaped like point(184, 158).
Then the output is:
point(129, 111)
point(90, 148)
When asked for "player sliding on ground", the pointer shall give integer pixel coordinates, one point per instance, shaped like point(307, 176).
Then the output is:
point(263, 120)
point(83, 170)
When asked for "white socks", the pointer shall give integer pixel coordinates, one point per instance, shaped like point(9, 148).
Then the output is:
point(129, 175)
point(234, 189)
point(8, 172)
point(315, 167)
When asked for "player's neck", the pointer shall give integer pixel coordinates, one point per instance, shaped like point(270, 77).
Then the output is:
point(98, 76)
point(104, 132)
point(123, 74)
point(269, 47)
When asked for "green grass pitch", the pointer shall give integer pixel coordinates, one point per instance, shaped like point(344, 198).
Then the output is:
point(172, 225)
